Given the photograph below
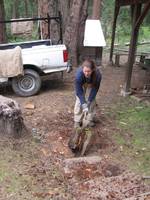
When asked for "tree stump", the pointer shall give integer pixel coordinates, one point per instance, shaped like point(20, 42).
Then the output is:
point(11, 120)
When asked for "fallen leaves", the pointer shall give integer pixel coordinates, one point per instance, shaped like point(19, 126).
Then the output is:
point(45, 152)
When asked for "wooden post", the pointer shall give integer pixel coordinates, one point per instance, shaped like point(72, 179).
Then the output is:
point(117, 60)
point(132, 49)
point(98, 55)
point(116, 12)
point(132, 12)
point(137, 20)
point(142, 16)
point(142, 59)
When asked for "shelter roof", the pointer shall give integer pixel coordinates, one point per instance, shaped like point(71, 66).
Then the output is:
point(130, 2)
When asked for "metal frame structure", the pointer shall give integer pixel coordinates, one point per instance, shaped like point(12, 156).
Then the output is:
point(139, 9)
point(47, 19)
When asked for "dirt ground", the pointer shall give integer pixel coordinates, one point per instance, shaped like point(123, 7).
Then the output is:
point(40, 164)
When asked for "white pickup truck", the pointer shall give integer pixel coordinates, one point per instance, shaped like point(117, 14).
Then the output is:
point(39, 58)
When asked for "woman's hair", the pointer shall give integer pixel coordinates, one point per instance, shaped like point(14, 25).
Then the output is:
point(91, 65)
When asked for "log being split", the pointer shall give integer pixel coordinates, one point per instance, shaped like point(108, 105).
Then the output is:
point(11, 121)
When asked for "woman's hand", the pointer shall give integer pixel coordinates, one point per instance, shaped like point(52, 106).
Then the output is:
point(85, 108)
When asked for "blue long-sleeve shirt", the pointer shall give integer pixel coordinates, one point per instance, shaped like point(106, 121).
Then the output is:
point(80, 80)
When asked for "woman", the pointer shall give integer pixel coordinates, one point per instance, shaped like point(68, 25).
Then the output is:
point(87, 83)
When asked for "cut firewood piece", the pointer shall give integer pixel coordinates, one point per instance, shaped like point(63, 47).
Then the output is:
point(72, 165)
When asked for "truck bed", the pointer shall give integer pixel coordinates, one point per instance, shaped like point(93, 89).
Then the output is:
point(25, 45)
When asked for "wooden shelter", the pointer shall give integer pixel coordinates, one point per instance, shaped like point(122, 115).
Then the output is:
point(139, 9)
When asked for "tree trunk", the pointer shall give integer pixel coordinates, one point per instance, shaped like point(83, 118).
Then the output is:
point(72, 31)
point(96, 11)
point(74, 12)
point(54, 26)
point(26, 2)
point(42, 12)
point(49, 7)
point(11, 121)
point(64, 8)
point(15, 13)
point(2, 26)
point(83, 17)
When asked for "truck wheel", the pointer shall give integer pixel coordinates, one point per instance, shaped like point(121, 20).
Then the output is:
point(28, 84)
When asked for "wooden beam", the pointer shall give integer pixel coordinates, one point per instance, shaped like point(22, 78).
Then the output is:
point(116, 12)
point(132, 49)
point(130, 2)
point(132, 10)
point(143, 14)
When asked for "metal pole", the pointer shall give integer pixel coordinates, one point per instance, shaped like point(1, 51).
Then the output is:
point(28, 19)
point(61, 32)
point(48, 26)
